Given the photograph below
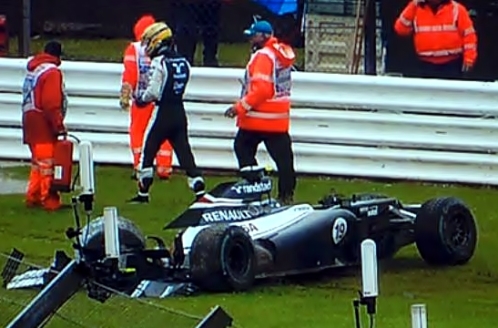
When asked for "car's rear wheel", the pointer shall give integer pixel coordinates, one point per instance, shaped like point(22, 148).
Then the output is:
point(445, 232)
point(222, 258)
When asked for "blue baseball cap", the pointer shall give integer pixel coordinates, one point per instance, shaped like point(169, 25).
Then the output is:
point(262, 27)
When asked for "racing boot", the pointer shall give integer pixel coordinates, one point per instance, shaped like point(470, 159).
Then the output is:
point(197, 185)
point(139, 199)
point(145, 179)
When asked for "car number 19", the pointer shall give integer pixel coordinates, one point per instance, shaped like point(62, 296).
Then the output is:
point(339, 229)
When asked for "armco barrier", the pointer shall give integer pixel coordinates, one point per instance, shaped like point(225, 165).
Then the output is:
point(352, 125)
point(316, 90)
point(309, 125)
point(326, 159)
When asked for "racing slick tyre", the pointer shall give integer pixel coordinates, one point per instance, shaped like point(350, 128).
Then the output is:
point(92, 238)
point(222, 258)
point(445, 232)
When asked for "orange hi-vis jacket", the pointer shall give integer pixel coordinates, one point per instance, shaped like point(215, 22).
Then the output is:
point(137, 65)
point(265, 99)
point(440, 36)
point(44, 100)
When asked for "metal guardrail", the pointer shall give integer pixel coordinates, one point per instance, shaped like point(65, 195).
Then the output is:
point(351, 125)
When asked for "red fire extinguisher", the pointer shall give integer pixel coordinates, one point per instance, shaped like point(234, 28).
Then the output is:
point(63, 165)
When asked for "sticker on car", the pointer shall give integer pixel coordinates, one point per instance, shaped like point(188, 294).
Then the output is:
point(339, 230)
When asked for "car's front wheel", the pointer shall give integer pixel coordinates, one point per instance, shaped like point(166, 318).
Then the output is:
point(445, 232)
point(92, 238)
point(222, 258)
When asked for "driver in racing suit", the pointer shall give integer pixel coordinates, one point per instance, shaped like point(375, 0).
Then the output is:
point(134, 80)
point(170, 73)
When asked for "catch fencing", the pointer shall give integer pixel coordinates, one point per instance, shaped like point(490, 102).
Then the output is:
point(82, 312)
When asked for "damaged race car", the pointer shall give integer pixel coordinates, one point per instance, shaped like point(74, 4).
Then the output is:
point(237, 233)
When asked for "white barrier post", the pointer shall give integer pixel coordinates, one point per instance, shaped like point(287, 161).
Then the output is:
point(419, 316)
point(369, 281)
point(87, 176)
point(111, 232)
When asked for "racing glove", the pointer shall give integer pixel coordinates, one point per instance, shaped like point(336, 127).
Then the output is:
point(125, 98)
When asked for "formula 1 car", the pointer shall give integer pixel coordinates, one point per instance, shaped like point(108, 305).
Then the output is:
point(237, 233)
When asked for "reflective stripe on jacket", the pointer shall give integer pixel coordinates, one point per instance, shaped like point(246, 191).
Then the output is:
point(143, 67)
point(137, 66)
point(265, 99)
point(440, 36)
point(136, 72)
point(29, 86)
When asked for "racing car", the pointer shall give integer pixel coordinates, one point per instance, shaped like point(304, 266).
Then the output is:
point(237, 233)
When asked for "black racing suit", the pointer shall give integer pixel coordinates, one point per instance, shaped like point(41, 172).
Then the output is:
point(170, 74)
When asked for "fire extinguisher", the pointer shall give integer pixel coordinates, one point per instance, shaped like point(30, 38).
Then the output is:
point(63, 165)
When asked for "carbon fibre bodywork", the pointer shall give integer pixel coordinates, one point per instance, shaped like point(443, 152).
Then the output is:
point(299, 238)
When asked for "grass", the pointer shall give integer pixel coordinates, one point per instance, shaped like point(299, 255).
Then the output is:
point(459, 297)
point(230, 55)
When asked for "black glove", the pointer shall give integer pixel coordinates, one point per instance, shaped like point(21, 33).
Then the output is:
point(230, 112)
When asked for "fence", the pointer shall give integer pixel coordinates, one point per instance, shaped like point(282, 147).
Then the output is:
point(82, 312)
point(325, 37)
point(349, 125)
point(328, 37)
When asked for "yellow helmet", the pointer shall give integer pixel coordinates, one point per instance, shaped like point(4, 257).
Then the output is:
point(154, 35)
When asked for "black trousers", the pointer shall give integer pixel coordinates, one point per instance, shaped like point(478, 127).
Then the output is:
point(189, 19)
point(451, 70)
point(279, 146)
point(178, 138)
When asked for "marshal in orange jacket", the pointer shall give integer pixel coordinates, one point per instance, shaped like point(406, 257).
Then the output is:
point(439, 36)
point(43, 100)
point(43, 108)
point(265, 102)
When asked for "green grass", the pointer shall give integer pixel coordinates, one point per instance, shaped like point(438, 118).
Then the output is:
point(229, 55)
point(459, 297)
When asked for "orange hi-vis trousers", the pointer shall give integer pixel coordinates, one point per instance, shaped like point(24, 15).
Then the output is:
point(139, 118)
point(41, 176)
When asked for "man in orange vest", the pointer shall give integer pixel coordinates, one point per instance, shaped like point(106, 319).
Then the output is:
point(444, 37)
point(263, 110)
point(134, 81)
point(43, 111)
